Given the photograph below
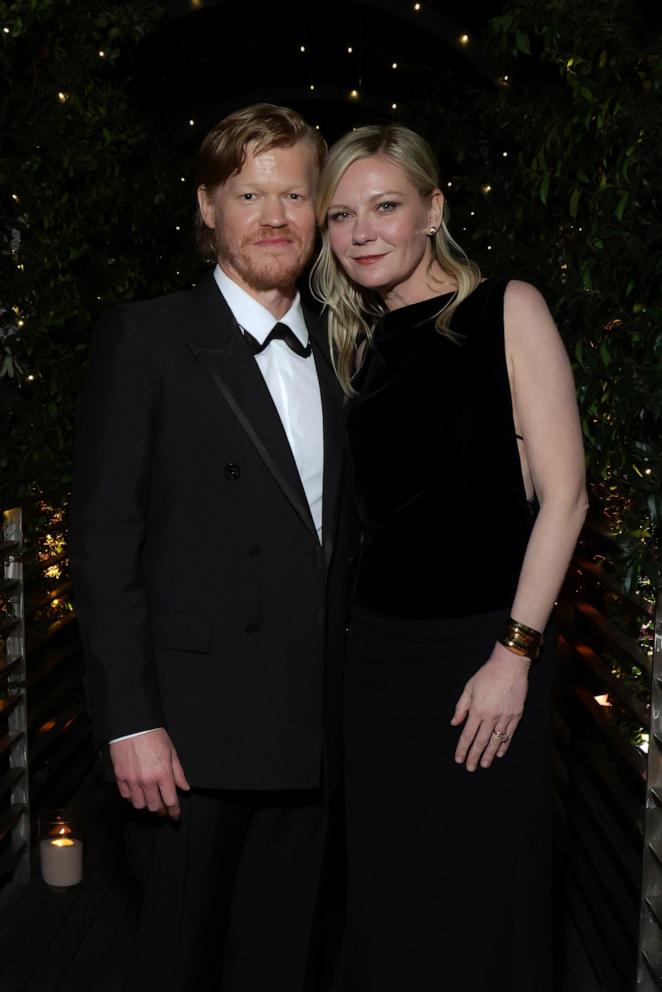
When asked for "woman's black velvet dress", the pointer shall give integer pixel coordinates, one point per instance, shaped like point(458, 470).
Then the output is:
point(449, 871)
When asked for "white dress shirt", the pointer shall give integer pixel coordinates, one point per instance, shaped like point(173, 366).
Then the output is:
point(292, 382)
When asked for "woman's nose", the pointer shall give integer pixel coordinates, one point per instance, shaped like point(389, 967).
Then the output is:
point(362, 232)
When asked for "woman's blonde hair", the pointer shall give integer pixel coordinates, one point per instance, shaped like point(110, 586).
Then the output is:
point(352, 310)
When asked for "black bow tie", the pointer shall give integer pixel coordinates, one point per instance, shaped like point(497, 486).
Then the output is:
point(279, 332)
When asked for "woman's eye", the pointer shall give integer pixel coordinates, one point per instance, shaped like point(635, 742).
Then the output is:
point(388, 206)
point(339, 215)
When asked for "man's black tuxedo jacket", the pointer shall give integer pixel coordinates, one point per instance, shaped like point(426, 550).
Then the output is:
point(206, 603)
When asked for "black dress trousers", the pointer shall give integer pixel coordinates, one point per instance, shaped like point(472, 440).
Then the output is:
point(230, 892)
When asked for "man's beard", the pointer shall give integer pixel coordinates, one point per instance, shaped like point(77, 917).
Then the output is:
point(275, 271)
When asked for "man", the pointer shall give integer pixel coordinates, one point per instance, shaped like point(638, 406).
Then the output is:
point(211, 573)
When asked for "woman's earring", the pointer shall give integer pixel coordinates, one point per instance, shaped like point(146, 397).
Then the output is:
point(432, 231)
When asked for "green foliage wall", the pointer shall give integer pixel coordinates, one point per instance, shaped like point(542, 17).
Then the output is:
point(559, 180)
point(88, 215)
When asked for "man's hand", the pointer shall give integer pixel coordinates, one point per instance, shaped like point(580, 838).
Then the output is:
point(148, 772)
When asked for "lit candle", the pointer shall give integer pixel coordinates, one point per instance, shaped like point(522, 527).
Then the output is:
point(61, 848)
point(61, 861)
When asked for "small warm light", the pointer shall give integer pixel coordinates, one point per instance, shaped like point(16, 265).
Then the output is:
point(197, 4)
point(102, 54)
point(302, 48)
point(317, 127)
point(191, 123)
point(6, 30)
point(394, 65)
point(504, 154)
point(472, 213)
point(20, 323)
point(54, 603)
point(449, 183)
point(177, 227)
point(464, 39)
point(647, 471)
point(354, 94)
point(486, 188)
point(30, 378)
point(489, 247)
point(417, 6)
point(506, 78)
point(603, 700)
point(394, 106)
point(349, 49)
point(45, 727)
point(20, 267)
point(14, 197)
point(62, 842)
point(62, 97)
point(312, 86)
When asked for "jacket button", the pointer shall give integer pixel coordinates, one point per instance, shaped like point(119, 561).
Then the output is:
point(255, 551)
point(232, 471)
point(251, 628)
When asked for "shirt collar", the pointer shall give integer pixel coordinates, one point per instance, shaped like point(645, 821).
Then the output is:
point(252, 316)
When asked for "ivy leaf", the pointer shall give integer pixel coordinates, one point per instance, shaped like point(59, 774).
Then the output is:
point(522, 42)
point(544, 187)
point(574, 201)
point(621, 205)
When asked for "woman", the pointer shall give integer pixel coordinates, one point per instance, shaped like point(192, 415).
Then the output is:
point(468, 470)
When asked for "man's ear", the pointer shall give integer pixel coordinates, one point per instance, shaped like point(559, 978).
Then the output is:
point(206, 206)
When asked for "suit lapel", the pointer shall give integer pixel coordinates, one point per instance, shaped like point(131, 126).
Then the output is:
point(334, 432)
point(216, 342)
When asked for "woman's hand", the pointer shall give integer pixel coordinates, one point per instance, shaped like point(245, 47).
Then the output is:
point(492, 700)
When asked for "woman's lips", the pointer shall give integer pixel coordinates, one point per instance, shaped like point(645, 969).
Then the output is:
point(367, 259)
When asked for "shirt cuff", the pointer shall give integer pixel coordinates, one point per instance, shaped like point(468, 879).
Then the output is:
point(139, 733)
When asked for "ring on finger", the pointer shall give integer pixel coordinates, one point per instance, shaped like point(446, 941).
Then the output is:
point(503, 737)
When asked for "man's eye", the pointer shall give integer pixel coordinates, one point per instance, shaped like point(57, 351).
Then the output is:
point(248, 196)
point(296, 196)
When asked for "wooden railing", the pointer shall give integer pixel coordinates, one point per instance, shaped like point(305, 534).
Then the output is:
point(43, 715)
point(14, 790)
point(608, 741)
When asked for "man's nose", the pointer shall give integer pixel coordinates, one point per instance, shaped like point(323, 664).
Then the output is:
point(273, 212)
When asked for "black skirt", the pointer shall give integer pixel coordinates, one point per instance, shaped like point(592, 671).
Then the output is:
point(449, 871)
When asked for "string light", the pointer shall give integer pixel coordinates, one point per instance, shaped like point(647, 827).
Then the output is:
point(30, 378)
point(394, 106)
point(6, 30)
point(417, 6)
point(394, 65)
point(177, 227)
point(505, 154)
point(486, 188)
point(102, 54)
point(464, 39)
point(472, 213)
point(317, 127)
point(354, 94)
point(349, 49)
point(20, 323)
point(182, 179)
point(14, 197)
point(449, 183)
point(62, 97)
point(191, 123)
point(302, 48)
point(312, 86)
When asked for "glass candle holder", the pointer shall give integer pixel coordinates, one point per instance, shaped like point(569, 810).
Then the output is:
point(61, 848)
